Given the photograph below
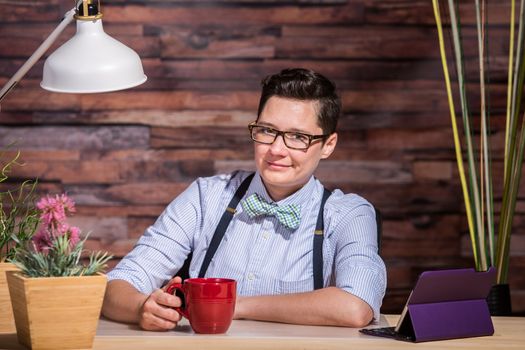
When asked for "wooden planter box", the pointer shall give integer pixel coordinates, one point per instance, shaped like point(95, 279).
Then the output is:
point(56, 312)
point(7, 322)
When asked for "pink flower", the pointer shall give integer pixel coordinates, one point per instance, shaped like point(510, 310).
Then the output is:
point(42, 240)
point(51, 210)
point(54, 210)
point(74, 236)
point(67, 203)
point(53, 215)
point(60, 230)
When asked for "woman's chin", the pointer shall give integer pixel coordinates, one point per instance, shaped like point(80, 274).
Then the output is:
point(276, 177)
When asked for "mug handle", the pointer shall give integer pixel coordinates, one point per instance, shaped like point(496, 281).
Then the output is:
point(171, 289)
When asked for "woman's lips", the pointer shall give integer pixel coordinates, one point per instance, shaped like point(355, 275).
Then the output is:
point(277, 165)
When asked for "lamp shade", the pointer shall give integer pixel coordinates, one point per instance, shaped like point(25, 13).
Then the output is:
point(92, 61)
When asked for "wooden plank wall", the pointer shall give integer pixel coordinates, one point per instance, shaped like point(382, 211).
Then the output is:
point(124, 155)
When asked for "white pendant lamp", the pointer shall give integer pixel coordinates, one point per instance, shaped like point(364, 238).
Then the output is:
point(90, 62)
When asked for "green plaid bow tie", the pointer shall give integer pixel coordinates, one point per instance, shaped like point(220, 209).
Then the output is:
point(288, 215)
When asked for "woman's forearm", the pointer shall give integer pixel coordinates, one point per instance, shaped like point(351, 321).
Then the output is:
point(122, 302)
point(328, 306)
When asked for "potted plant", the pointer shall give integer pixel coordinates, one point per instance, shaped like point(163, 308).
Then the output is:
point(490, 246)
point(18, 223)
point(54, 284)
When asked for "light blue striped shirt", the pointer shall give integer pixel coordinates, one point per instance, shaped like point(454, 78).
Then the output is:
point(261, 254)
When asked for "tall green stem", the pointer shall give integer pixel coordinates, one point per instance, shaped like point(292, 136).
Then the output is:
point(485, 171)
point(509, 87)
point(515, 102)
point(513, 160)
point(474, 188)
point(457, 144)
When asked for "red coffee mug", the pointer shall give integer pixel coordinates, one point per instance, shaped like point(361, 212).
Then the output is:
point(209, 303)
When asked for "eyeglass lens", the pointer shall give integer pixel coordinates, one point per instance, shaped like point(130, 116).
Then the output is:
point(291, 139)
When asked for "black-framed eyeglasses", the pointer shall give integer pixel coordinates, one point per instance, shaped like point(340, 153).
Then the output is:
point(292, 139)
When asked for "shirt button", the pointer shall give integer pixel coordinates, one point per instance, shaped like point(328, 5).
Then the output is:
point(266, 235)
point(251, 276)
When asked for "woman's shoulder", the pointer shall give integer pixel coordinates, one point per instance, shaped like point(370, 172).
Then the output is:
point(347, 204)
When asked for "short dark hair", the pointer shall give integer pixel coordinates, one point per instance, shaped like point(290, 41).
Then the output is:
point(307, 85)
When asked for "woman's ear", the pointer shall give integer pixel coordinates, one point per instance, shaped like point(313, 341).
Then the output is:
point(329, 146)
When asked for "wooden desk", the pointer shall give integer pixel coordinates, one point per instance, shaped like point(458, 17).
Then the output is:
point(509, 334)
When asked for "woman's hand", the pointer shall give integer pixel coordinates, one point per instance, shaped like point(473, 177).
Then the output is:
point(157, 313)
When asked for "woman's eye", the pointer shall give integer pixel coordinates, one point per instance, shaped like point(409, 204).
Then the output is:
point(298, 137)
point(267, 131)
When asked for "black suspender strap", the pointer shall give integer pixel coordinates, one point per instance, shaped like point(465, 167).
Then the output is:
point(318, 244)
point(223, 224)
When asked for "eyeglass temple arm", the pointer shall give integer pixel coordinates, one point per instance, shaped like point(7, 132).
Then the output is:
point(68, 17)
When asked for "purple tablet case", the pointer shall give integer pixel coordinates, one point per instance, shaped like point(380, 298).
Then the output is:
point(449, 304)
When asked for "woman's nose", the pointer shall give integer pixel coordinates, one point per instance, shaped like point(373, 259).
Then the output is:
point(278, 145)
